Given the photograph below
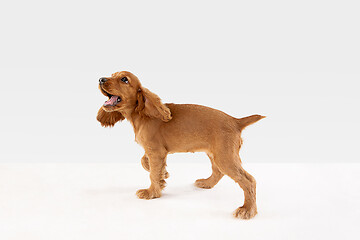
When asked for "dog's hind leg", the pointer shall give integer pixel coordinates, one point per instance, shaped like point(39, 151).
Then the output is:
point(229, 163)
point(215, 177)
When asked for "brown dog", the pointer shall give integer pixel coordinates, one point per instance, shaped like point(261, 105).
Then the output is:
point(168, 128)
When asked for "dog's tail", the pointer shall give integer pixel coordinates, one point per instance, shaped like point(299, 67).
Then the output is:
point(246, 121)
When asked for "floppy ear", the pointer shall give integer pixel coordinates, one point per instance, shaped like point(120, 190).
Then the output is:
point(150, 105)
point(108, 119)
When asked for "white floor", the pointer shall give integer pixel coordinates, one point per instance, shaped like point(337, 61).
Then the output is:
point(97, 201)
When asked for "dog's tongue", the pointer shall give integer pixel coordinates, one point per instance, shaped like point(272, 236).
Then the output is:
point(111, 101)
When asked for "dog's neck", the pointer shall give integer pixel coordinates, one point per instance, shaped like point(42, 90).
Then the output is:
point(135, 119)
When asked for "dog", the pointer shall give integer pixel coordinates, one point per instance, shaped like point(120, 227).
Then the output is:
point(162, 129)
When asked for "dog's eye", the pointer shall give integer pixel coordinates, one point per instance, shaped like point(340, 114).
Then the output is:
point(125, 80)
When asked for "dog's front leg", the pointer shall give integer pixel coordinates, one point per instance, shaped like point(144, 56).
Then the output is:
point(158, 173)
point(146, 165)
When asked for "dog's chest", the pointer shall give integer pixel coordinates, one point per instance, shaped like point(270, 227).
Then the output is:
point(140, 137)
point(146, 138)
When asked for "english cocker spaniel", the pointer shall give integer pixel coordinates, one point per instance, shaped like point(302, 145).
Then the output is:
point(162, 129)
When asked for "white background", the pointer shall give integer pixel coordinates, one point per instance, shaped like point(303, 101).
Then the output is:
point(296, 62)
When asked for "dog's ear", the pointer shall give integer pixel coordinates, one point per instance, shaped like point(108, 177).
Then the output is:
point(108, 119)
point(150, 105)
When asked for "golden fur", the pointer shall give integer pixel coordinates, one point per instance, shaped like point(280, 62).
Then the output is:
point(168, 128)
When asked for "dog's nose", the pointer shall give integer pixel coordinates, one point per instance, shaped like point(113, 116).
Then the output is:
point(102, 80)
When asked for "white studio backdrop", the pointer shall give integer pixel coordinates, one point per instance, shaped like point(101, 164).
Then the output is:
point(296, 62)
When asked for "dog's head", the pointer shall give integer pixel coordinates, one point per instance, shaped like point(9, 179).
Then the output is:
point(121, 89)
point(126, 95)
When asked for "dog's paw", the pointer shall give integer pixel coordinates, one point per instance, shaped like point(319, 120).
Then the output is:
point(203, 183)
point(245, 213)
point(166, 175)
point(147, 194)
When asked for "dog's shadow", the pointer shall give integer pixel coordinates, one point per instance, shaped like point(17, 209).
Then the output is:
point(169, 192)
point(187, 195)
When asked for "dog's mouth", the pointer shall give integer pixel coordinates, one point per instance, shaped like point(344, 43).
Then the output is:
point(113, 99)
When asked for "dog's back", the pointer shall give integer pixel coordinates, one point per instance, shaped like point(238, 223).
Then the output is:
point(196, 128)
